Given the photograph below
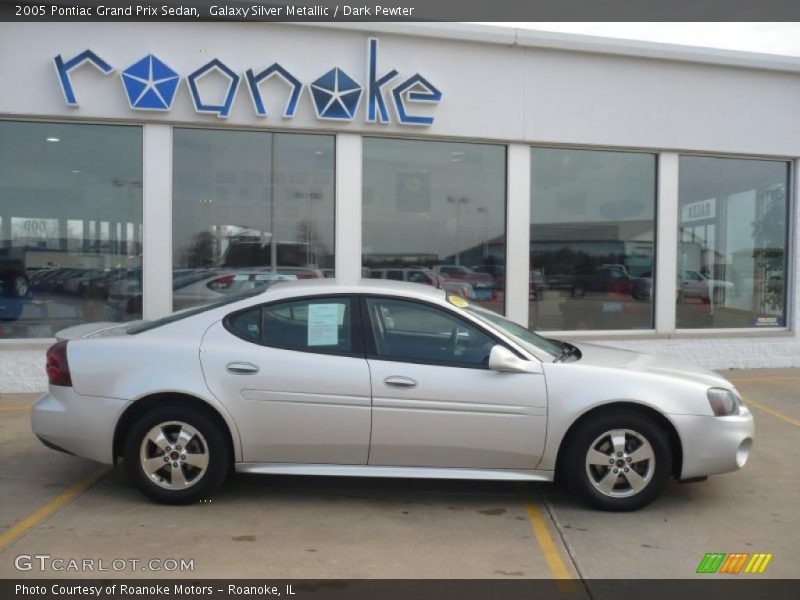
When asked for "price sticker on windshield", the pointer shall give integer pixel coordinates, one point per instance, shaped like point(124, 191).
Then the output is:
point(458, 301)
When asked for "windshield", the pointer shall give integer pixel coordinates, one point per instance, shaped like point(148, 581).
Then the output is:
point(527, 339)
point(195, 310)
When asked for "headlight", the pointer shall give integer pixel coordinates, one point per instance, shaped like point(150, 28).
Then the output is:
point(724, 402)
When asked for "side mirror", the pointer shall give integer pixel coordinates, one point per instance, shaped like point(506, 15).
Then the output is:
point(504, 360)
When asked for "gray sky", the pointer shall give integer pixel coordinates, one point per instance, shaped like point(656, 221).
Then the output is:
point(774, 38)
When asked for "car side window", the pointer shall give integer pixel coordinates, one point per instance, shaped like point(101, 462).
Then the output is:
point(311, 325)
point(414, 332)
point(246, 324)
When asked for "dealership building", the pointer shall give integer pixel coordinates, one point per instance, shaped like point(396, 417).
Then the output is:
point(636, 194)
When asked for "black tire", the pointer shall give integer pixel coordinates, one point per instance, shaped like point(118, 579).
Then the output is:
point(211, 439)
point(577, 473)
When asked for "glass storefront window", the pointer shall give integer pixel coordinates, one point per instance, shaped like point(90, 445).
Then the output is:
point(70, 225)
point(731, 243)
point(592, 245)
point(249, 208)
point(435, 213)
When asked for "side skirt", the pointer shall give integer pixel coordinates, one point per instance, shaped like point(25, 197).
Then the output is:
point(406, 472)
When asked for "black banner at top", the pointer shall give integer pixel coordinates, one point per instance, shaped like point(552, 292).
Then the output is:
point(400, 10)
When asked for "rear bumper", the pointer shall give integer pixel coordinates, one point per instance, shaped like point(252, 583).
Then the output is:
point(713, 445)
point(80, 425)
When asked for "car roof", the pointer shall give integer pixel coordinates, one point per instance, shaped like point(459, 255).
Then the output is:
point(303, 287)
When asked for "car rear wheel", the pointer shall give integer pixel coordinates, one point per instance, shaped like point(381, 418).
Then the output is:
point(618, 461)
point(176, 454)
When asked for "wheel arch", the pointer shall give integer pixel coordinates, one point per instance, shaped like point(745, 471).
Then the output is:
point(143, 404)
point(657, 417)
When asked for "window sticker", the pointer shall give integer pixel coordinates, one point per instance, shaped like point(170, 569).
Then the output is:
point(323, 324)
point(458, 301)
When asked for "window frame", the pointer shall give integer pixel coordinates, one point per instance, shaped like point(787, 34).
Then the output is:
point(651, 331)
point(371, 351)
point(503, 144)
point(356, 330)
point(39, 341)
point(790, 253)
point(157, 149)
point(270, 131)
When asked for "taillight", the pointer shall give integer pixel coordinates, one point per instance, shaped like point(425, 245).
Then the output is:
point(221, 283)
point(57, 366)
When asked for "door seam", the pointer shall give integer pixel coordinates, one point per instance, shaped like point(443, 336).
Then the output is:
point(371, 410)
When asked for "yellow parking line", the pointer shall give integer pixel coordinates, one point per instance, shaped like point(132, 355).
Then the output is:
point(14, 407)
point(548, 546)
point(735, 379)
point(35, 518)
point(771, 411)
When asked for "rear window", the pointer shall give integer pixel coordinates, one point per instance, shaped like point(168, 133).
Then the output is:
point(190, 312)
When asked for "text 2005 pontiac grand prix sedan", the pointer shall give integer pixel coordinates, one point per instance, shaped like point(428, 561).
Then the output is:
point(381, 379)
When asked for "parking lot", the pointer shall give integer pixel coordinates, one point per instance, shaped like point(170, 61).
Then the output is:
point(314, 527)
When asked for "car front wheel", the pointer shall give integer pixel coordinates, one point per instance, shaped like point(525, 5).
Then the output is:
point(176, 454)
point(618, 461)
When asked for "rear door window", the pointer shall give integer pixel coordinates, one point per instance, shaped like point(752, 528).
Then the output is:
point(311, 325)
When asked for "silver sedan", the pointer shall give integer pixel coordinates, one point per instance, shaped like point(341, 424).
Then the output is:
point(381, 379)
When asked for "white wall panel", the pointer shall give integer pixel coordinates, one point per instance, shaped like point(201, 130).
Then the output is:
point(666, 284)
point(579, 98)
point(483, 93)
point(157, 222)
point(518, 234)
point(493, 91)
point(348, 207)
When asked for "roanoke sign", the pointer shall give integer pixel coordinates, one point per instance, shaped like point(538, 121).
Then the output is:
point(150, 84)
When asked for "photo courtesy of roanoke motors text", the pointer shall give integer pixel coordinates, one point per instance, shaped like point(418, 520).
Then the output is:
point(328, 301)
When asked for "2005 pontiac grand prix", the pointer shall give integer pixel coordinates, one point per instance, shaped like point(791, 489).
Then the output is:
point(381, 379)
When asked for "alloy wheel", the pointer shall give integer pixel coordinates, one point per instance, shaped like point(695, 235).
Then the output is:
point(620, 463)
point(174, 455)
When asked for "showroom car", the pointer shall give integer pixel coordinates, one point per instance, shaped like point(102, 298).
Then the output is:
point(695, 284)
point(386, 379)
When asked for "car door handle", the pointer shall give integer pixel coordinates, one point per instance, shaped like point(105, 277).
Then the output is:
point(398, 381)
point(241, 368)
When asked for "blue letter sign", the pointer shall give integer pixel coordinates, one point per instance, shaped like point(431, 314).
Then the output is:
point(63, 68)
point(221, 110)
point(254, 80)
point(376, 106)
point(150, 84)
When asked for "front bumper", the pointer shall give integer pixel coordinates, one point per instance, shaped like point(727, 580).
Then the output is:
point(713, 445)
point(80, 425)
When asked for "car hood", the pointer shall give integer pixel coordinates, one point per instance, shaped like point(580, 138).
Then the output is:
point(604, 356)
